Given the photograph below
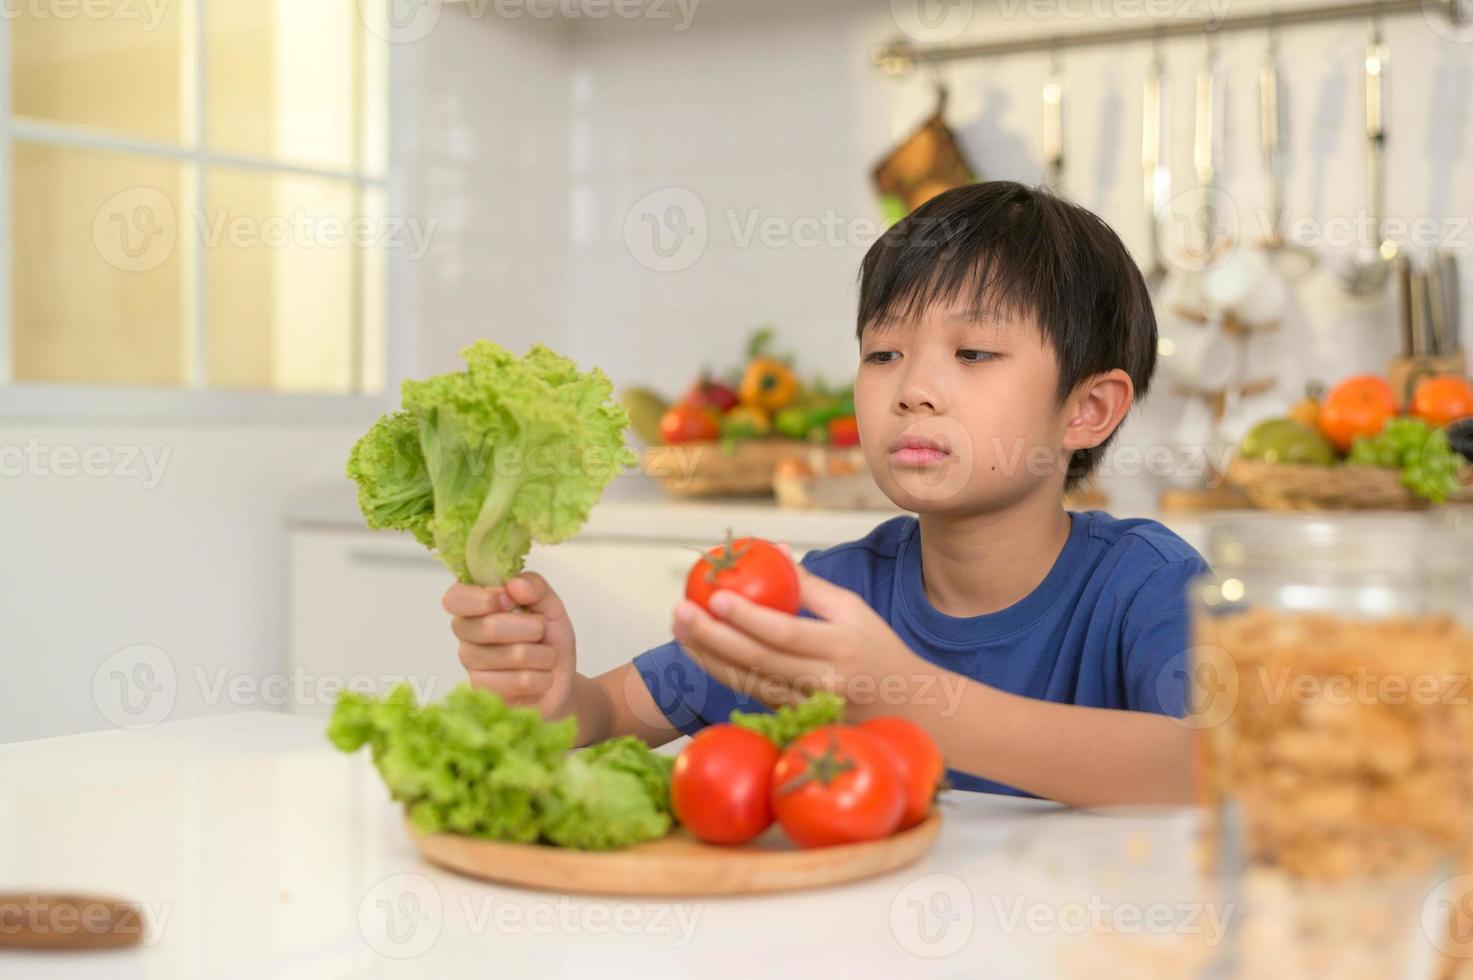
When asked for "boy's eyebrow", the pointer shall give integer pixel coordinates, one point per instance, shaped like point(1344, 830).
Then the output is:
point(980, 314)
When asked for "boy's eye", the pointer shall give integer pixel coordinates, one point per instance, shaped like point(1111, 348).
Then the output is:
point(881, 356)
point(975, 356)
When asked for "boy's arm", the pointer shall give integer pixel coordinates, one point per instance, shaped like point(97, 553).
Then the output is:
point(1075, 755)
point(1080, 756)
point(518, 642)
point(617, 702)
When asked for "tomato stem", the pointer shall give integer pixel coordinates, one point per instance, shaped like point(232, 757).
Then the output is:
point(723, 557)
point(822, 769)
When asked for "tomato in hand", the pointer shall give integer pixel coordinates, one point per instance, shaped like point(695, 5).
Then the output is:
point(919, 760)
point(722, 784)
point(687, 423)
point(837, 785)
point(756, 569)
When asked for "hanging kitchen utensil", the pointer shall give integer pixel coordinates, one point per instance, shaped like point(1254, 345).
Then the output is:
point(1451, 303)
point(1367, 273)
point(1291, 260)
point(1424, 343)
point(928, 162)
point(1436, 305)
point(1195, 214)
point(1053, 126)
point(1401, 273)
point(1205, 148)
point(1155, 172)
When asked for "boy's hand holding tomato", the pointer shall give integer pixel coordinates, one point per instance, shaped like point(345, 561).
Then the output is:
point(738, 623)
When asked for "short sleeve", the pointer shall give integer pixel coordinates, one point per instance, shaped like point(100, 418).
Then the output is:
point(688, 696)
point(1156, 639)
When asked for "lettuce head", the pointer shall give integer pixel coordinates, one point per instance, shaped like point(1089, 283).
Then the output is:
point(480, 463)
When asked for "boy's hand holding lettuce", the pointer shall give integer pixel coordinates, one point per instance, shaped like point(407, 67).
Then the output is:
point(482, 462)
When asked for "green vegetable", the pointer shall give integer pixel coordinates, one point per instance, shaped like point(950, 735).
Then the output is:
point(791, 422)
point(1429, 466)
point(393, 484)
point(789, 722)
point(482, 462)
point(1287, 441)
point(595, 806)
point(630, 754)
point(471, 765)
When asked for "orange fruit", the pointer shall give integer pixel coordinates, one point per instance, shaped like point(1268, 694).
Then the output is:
point(1440, 401)
point(1306, 412)
point(1359, 406)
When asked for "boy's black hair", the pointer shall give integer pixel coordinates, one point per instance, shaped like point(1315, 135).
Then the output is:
point(1021, 251)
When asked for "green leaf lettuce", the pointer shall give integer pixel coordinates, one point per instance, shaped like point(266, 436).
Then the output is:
point(482, 462)
point(472, 765)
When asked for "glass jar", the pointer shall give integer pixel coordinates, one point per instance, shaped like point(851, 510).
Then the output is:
point(1331, 694)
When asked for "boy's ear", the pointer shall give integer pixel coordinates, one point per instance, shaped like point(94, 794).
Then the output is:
point(1096, 409)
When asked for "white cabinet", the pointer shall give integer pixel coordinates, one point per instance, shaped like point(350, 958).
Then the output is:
point(366, 605)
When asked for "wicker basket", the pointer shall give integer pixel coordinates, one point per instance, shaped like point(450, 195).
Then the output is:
point(706, 469)
point(1295, 487)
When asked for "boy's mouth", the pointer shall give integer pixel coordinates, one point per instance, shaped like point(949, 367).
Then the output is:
point(918, 450)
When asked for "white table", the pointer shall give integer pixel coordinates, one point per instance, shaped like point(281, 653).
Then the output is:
point(257, 850)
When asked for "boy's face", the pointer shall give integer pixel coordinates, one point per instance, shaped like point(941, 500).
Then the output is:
point(977, 385)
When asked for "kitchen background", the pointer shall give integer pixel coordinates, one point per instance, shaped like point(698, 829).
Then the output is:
point(521, 149)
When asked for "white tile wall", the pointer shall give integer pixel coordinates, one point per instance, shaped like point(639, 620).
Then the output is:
point(528, 140)
point(771, 112)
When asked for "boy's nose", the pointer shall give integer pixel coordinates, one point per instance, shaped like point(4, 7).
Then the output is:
point(919, 397)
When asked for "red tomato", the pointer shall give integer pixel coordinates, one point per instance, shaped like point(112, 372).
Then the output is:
point(757, 569)
point(837, 785)
point(714, 395)
point(722, 784)
point(919, 760)
point(844, 432)
point(686, 423)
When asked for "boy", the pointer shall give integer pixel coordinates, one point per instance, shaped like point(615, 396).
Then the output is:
point(1004, 335)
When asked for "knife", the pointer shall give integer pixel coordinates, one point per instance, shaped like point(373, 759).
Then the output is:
point(1447, 264)
point(1402, 269)
point(1424, 341)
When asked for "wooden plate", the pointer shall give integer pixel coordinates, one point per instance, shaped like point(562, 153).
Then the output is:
point(678, 864)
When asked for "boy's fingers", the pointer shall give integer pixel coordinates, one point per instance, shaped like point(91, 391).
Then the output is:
point(499, 628)
point(793, 634)
point(515, 657)
point(531, 591)
point(515, 687)
point(822, 597)
point(712, 637)
point(470, 600)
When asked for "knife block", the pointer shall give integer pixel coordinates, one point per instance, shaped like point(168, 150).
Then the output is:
point(1405, 373)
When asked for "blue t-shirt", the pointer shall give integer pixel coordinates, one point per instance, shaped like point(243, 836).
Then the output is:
point(1107, 628)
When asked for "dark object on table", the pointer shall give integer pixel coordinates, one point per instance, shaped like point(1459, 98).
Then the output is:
point(65, 921)
point(1460, 436)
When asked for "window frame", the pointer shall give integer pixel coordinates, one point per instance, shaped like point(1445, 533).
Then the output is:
point(194, 399)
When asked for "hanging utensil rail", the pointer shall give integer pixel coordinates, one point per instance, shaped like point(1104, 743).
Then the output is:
point(901, 56)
